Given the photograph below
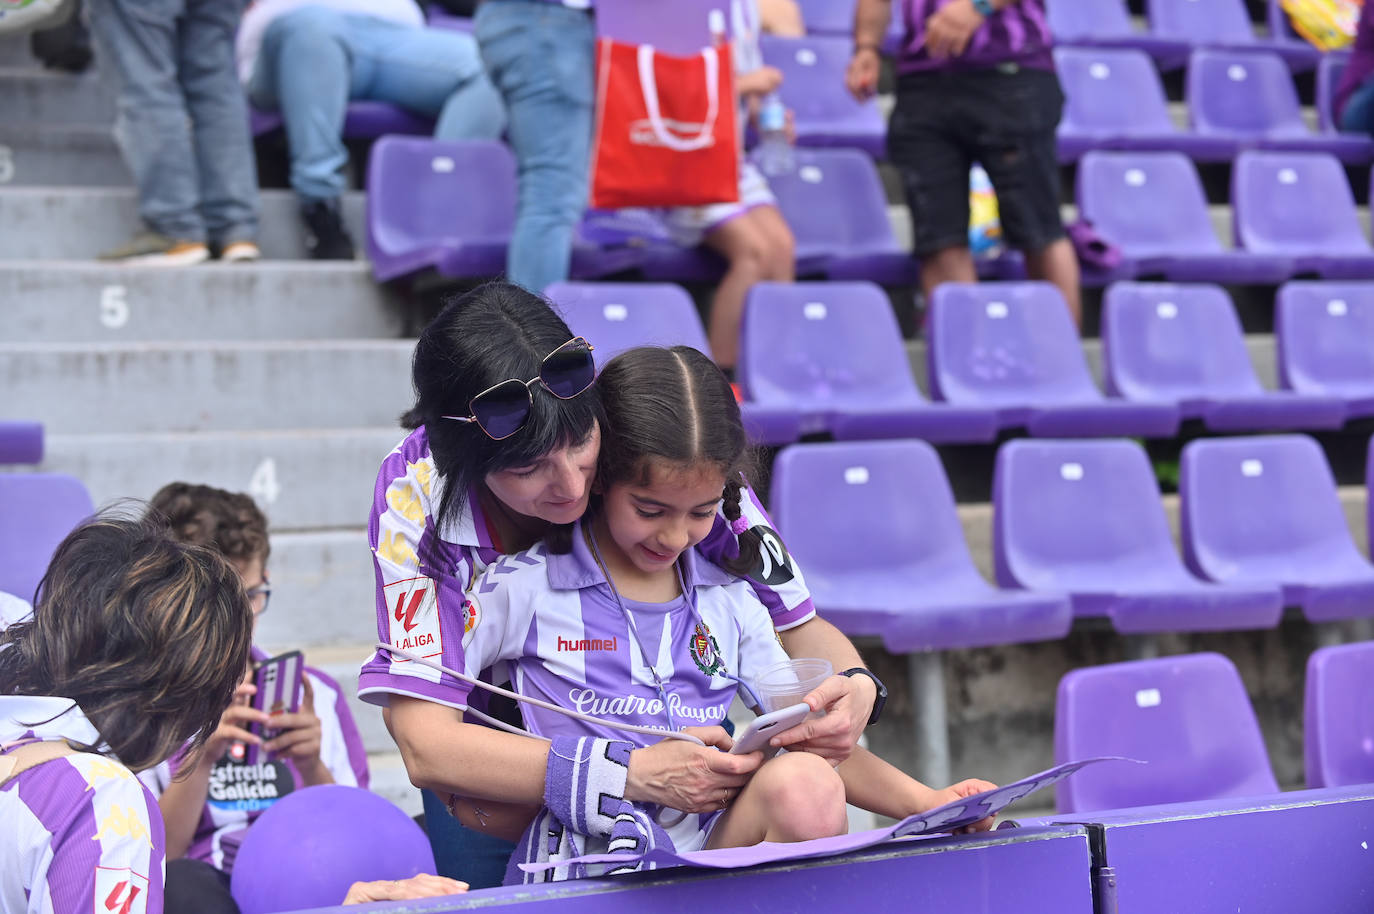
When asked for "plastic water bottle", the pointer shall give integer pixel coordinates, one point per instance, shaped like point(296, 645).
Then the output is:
point(774, 153)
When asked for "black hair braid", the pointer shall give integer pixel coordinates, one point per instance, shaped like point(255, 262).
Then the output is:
point(747, 559)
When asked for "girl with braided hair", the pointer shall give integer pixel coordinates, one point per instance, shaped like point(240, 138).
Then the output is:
point(617, 616)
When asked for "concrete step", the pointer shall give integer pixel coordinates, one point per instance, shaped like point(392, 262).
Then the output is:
point(343, 663)
point(80, 301)
point(132, 388)
point(69, 223)
point(15, 55)
point(306, 479)
point(61, 154)
point(390, 781)
point(29, 95)
point(323, 590)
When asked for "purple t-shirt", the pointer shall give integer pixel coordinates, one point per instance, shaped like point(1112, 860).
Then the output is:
point(79, 833)
point(1361, 65)
point(1018, 34)
point(424, 609)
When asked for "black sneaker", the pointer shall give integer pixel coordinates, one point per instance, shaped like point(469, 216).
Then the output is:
point(325, 235)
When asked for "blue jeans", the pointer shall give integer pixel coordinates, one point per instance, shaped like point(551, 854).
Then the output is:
point(182, 123)
point(313, 60)
point(1358, 114)
point(462, 853)
point(542, 58)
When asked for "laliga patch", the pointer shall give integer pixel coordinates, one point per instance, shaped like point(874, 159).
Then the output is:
point(414, 609)
point(774, 565)
point(472, 615)
point(119, 890)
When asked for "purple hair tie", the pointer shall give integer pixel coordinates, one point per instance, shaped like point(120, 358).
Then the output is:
point(739, 525)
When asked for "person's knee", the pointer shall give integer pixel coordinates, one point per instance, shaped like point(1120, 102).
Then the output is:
point(803, 795)
point(750, 256)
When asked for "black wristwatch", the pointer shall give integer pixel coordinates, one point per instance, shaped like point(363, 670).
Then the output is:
point(881, 698)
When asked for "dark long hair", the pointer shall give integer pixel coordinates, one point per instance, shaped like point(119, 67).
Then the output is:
point(674, 406)
point(496, 331)
point(149, 636)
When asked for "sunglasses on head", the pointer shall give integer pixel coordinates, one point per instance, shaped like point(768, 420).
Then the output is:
point(502, 409)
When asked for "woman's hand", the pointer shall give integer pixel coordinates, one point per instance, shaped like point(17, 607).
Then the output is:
point(421, 886)
point(861, 78)
point(234, 722)
point(847, 702)
point(759, 82)
point(965, 788)
point(689, 777)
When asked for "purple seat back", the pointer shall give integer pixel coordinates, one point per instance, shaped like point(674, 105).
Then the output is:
point(1280, 26)
point(363, 119)
point(1273, 197)
point(1188, 717)
point(1008, 343)
point(1329, 70)
point(680, 27)
point(1338, 726)
point(1325, 336)
point(813, 86)
point(21, 441)
point(1243, 93)
point(1209, 22)
point(1260, 509)
point(1174, 342)
point(1150, 204)
point(1072, 20)
point(37, 511)
point(822, 341)
point(883, 507)
point(828, 17)
point(1112, 92)
point(619, 316)
point(1070, 511)
point(834, 201)
point(425, 195)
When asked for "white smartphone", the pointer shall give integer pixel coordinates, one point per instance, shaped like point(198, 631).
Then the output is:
point(761, 729)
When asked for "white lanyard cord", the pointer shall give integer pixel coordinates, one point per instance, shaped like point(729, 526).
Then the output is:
point(548, 706)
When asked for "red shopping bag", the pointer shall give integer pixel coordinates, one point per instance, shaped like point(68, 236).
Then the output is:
point(665, 128)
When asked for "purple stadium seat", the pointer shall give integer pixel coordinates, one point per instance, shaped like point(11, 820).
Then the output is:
point(1189, 717)
point(828, 17)
point(21, 441)
point(365, 120)
point(825, 113)
point(1011, 347)
point(832, 354)
point(1086, 517)
point(1249, 97)
point(439, 18)
point(1272, 204)
point(1115, 100)
point(619, 316)
point(1185, 344)
point(1223, 24)
point(875, 526)
point(450, 207)
point(1106, 24)
point(1369, 487)
point(1338, 726)
point(37, 510)
point(1325, 337)
point(1151, 205)
point(1264, 511)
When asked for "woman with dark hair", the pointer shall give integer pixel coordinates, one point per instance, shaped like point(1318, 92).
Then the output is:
point(506, 437)
point(133, 650)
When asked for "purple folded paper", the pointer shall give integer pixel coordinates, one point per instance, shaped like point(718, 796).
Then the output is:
point(940, 820)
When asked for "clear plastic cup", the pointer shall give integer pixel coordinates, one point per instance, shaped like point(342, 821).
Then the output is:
point(789, 682)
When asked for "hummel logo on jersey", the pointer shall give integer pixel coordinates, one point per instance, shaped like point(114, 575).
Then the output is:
point(589, 644)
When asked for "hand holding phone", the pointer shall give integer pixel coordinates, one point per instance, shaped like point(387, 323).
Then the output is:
point(279, 684)
point(758, 731)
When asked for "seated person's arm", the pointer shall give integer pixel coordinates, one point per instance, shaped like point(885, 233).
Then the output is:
point(871, 783)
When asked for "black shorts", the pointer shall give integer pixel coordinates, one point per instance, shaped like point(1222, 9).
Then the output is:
point(1003, 118)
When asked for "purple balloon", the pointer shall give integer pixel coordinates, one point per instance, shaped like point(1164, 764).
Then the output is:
point(310, 846)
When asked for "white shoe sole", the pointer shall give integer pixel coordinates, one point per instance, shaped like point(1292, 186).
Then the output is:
point(184, 258)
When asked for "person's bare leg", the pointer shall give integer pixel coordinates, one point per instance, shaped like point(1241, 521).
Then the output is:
point(1056, 262)
point(946, 265)
point(744, 247)
point(780, 244)
point(796, 796)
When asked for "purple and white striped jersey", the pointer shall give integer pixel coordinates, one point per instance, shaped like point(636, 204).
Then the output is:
point(239, 793)
point(425, 609)
point(80, 833)
point(1018, 34)
point(556, 621)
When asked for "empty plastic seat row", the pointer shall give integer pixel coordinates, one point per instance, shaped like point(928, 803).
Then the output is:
point(1152, 206)
point(20, 441)
point(1236, 100)
point(37, 511)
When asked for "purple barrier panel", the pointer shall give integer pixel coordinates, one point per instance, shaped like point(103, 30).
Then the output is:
point(1307, 850)
point(21, 441)
point(1027, 870)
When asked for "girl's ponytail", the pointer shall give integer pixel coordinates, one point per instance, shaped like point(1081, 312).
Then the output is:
point(750, 542)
